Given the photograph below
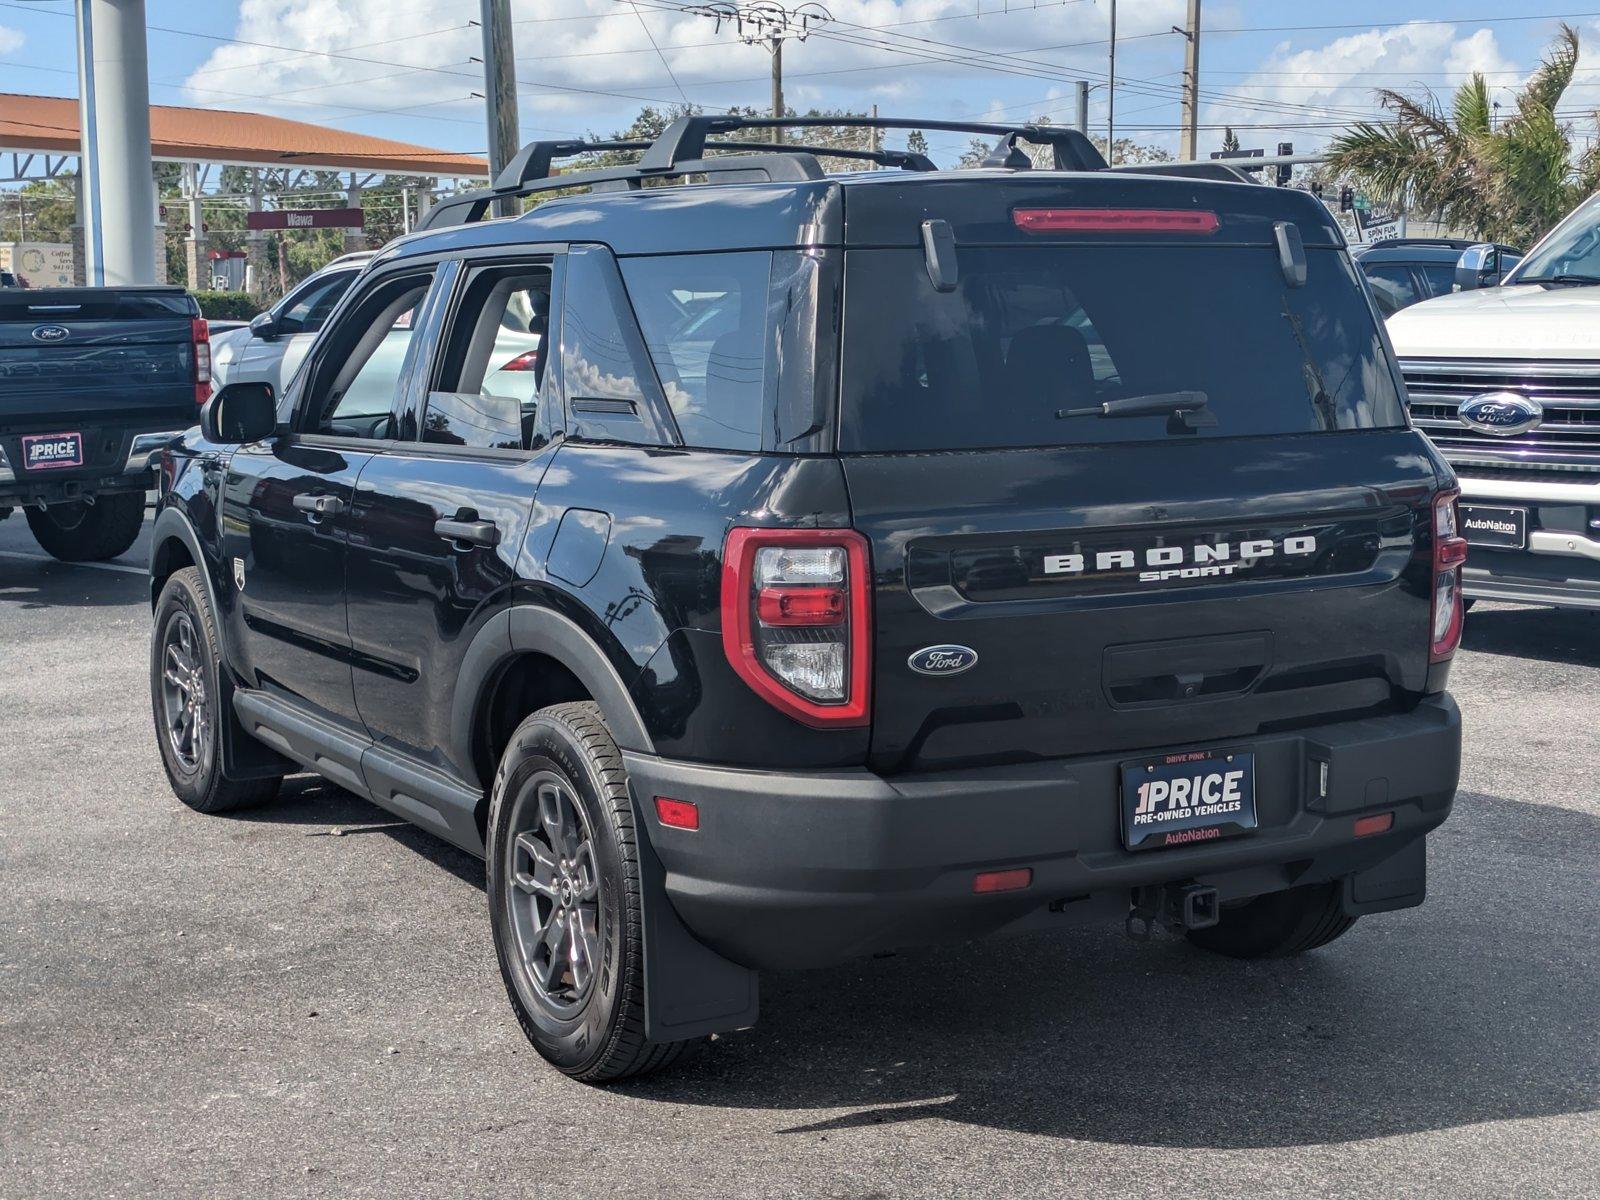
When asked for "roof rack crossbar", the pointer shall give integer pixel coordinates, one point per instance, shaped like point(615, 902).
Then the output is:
point(468, 207)
point(536, 160)
point(686, 137)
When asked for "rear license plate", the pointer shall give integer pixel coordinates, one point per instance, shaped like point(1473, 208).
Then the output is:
point(1492, 525)
point(1188, 797)
point(49, 451)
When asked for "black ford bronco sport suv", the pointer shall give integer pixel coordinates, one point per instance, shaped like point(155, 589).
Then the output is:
point(788, 566)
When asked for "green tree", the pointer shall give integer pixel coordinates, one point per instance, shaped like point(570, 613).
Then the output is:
point(1230, 140)
point(1505, 182)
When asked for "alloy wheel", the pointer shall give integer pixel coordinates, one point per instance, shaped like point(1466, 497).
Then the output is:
point(553, 892)
point(185, 714)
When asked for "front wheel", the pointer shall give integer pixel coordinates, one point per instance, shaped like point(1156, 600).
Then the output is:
point(565, 897)
point(85, 532)
point(186, 699)
point(1279, 924)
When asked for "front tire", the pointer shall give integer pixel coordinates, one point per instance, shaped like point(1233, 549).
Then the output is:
point(565, 897)
point(1279, 924)
point(186, 699)
point(84, 532)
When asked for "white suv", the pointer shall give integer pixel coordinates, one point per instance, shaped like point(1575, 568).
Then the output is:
point(1506, 381)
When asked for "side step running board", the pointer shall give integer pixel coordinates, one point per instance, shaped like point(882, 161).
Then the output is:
point(394, 781)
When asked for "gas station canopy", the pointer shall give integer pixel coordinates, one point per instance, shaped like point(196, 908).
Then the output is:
point(49, 125)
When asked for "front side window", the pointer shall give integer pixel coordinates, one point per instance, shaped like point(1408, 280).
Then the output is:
point(307, 310)
point(1031, 337)
point(353, 390)
point(705, 321)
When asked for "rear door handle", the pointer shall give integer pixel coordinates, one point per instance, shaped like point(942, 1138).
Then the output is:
point(319, 506)
point(474, 533)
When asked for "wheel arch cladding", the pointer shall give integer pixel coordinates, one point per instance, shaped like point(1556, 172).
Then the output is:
point(539, 654)
point(173, 546)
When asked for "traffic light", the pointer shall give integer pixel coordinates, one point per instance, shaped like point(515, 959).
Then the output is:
point(1283, 171)
point(1347, 198)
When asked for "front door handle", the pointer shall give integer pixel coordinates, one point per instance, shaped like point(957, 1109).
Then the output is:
point(469, 533)
point(319, 506)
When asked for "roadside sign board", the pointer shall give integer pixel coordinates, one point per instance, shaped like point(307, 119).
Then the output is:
point(306, 218)
point(1380, 222)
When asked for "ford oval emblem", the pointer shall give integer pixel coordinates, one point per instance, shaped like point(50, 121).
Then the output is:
point(51, 333)
point(1501, 414)
point(943, 660)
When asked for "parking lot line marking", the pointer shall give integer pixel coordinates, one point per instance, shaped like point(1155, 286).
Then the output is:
point(97, 566)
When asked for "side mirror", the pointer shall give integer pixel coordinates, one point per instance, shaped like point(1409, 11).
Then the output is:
point(240, 413)
point(1478, 267)
point(264, 326)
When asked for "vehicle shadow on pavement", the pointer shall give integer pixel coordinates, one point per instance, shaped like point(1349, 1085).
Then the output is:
point(31, 584)
point(1444, 1016)
point(1560, 635)
point(310, 800)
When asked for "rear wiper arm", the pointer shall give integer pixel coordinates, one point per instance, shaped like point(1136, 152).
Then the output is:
point(1157, 404)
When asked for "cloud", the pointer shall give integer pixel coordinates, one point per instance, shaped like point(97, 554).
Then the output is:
point(1330, 85)
point(588, 65)
point(10, 39)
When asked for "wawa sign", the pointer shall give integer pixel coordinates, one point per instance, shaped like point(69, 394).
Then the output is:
point(306, 218)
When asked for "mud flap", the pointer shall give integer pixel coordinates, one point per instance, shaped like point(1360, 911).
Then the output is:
point(1399, 881)
point(689, 989)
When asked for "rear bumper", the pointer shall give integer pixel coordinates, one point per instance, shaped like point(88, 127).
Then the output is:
point(791, 870)
point(126, 464)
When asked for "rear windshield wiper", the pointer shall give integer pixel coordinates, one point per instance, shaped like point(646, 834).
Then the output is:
point(1156, 404)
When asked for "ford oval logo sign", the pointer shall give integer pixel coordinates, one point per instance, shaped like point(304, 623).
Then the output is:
point(1501, 414)
point(51, 333)
point(942, 660)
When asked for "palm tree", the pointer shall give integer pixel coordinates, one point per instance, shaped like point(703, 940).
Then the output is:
point(1506, 182)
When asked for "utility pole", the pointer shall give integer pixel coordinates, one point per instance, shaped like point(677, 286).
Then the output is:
point(499, 92)
point(1082, 89)
point(1188, 140)
point(767, 23)
point(776, 47)
point(1111, 92)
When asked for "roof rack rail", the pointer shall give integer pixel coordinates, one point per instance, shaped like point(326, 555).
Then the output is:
point(683, 147)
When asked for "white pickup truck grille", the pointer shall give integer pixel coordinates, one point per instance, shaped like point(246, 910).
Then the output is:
point(1568, 439)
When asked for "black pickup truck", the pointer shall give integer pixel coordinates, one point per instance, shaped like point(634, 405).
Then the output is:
point(93, 382)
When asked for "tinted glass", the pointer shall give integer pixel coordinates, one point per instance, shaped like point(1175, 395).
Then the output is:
point(704, 318)
point(1400, 283)
point(493, 363)
point(612, 393)
point(307, 310)
point(1439, 278)
point(1030, 333)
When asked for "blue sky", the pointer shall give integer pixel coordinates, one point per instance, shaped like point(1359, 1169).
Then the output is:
point(1276, 70)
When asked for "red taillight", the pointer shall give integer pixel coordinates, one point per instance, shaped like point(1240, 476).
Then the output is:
point(1116, 220)
point(1449, 552)
point(528, 360)
point(678, 814)
point(200, 335)
point(1013, 880)
point(1377, 823)
point(796, 620)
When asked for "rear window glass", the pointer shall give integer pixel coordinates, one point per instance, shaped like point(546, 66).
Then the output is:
point(1029, 333)
point(704, 318)
point(97, 304)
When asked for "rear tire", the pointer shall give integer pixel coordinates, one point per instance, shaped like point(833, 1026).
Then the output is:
point(1279, 924)
point(565, 900)
point(186, 698)
point(83, 532)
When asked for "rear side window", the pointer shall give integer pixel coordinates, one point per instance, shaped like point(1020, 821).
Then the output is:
point(1030, 333)
point(1399, 280)
point(487, 391)
point(704, 318)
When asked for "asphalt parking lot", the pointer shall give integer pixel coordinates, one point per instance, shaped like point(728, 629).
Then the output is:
point(304, 1000)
